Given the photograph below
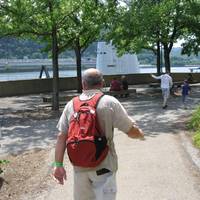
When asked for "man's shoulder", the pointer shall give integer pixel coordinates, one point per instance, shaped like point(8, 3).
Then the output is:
point(109, 98)
point(166, 75)
point(108, 101)
point(69, 105)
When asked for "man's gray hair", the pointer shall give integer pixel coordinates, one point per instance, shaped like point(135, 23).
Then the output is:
point(92, 79)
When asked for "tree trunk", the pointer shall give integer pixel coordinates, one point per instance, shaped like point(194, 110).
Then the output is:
point(55, 97)
point(158, 59)
point(167, 58)
point(78, 67)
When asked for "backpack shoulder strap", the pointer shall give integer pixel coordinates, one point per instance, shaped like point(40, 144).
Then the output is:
point(93, 102)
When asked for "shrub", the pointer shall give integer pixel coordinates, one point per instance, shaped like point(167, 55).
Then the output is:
point(196, 139)
point(194, 122)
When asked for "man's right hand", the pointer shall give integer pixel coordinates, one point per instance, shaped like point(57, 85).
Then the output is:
point(59, 174)
point(136, 132)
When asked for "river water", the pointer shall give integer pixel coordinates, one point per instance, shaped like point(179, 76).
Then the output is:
point(72, 73)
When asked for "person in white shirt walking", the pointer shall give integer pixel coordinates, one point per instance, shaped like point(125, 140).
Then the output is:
point(166, 84)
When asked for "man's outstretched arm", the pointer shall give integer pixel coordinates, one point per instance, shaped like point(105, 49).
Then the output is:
point(124, 122)
point(155, 77)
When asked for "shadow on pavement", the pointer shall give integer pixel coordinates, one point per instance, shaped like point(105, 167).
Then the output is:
point(24, 126)
point(147, 111)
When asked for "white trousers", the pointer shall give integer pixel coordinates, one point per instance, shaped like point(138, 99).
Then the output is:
point(165, 94)
point(89, 186)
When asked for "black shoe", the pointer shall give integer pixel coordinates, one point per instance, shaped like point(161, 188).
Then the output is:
point(164, 107)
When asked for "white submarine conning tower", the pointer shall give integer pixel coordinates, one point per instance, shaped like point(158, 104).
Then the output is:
point(110, 64)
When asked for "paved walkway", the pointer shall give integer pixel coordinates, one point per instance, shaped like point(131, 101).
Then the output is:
point(155, 169)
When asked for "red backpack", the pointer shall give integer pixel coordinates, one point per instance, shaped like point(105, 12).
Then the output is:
point(86, 144)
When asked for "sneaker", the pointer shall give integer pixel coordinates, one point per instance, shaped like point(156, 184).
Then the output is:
point(164, 107)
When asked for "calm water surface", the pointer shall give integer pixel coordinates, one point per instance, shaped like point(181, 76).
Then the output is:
point(72, 73)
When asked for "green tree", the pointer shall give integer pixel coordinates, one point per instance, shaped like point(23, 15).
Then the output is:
point(173, 15)
point(192, 24)
point(85, 25)
point(144, 24)
point(59, 24)
point(42, 20)
point(131, 31)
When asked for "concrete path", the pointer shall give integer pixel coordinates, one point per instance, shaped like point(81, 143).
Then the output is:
point(158, 168)
point(155, 169)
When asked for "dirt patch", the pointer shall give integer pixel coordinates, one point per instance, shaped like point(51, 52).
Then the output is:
point(29, 172)
point(25, 174)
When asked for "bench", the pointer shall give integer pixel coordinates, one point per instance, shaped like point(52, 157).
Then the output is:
point(121, 93)
point(68, 97)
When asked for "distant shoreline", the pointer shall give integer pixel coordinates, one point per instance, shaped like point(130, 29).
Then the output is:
point(38, 69)
point(71, 68)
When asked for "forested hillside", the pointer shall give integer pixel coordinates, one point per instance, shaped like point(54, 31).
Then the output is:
point(19, 49)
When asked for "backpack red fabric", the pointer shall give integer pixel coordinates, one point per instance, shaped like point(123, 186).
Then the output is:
point(86, 144)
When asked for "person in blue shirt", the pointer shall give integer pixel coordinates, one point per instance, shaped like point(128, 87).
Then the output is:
point(185, 92)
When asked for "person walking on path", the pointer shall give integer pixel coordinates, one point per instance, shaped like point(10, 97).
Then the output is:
point(166, 84)
point(185, 92)
point(97, 182)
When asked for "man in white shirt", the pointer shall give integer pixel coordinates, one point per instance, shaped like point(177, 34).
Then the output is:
point(97, 183)
point(166, 84)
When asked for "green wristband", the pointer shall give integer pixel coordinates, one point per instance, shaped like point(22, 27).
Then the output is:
point(57, 164)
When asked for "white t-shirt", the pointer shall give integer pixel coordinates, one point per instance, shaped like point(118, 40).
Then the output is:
point(111, 114)
point(166, 80)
